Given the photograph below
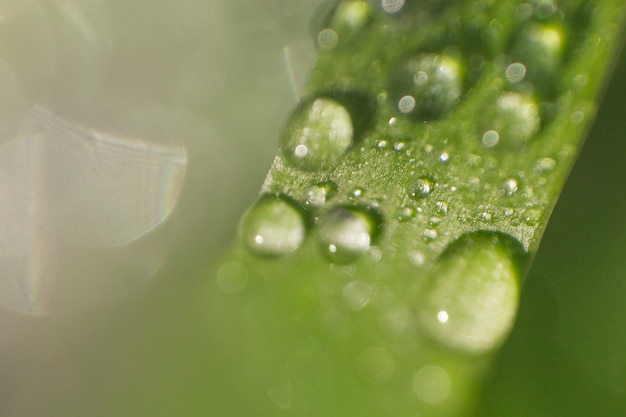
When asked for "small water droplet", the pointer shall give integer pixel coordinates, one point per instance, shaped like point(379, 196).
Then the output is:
point(405, 213)
point(444, 157)
point(515, 72)
point(428, 86)
point(532, 216)
point(485, 217)
point(272, 227)
point(376, 365)
point(399, 146)
point(514, 120)
point(434, 221)
point(432, 384)
point(429, 235)
point(382, 144)
point(441, 207)
point(356, 295)
point(417, 258)
point(393, 121)
point(232, 277)
point(356, 193)
point(510, 187)
point(544, 165)
point(476, 284)
point(317, 195)
point(421, 188)
point(347, 233)
point(317, 135)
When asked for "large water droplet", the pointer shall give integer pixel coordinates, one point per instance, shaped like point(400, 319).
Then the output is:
point(272, 227)
point(346, 233)
point(428, 86)
point(512, 122)
point(317, 135)
point(472, 292)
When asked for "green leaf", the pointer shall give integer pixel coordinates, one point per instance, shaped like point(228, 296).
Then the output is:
point(380, 269)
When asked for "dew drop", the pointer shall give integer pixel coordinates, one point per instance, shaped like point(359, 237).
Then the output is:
point(513, 121)
point(405, 213)
point(510, 187)
point(429, 235)
point(577, 117)
point(317, 135)
point(317, 195)
point(347, 233)
point(544, 165)
point(441, 207)
point(356, 193)
point(421, 188)
point(444, 157)
point(471, 296)
point(272, 227)
point(428, 86)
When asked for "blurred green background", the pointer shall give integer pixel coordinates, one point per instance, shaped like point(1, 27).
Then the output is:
point(123, 339)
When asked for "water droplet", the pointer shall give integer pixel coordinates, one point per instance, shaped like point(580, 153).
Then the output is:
point(544, 165)
point(432, 384)
point(514, 119)
point(429, 235)
point(346, 233)
point(393, 121)
point(232, 277)
point(515, 72)
point(356, 295)
point(441, 207)
point(417, 258)
point(405, 213)
point(327, 39)
point(490, 138)
point(421, 188)
point(532, 216)
point(485, 217)
point(376, 365)
point(356, 193)
point(317, 135)
point(392, 6)
point(428, 86)
point(317, 195)
point(476, 284)
point(444, 157)
point(510, 187)
point(382, 144)
point(272, 227)
point(399, 146)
